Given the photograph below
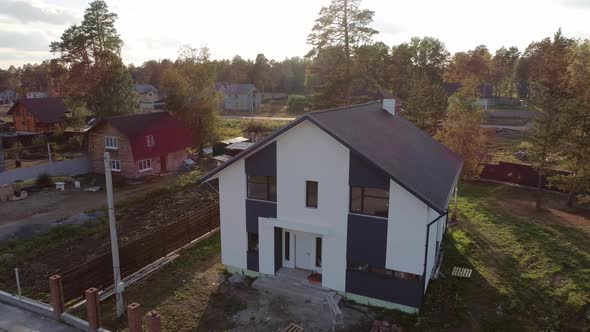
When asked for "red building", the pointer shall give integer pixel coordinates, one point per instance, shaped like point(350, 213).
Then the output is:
point(140, 144)
point(39, 115)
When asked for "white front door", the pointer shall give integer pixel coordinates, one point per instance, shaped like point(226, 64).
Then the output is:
point(304, 251)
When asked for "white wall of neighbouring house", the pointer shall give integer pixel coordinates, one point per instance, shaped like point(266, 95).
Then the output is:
point(406, 231)
point(305, 153)
point(232, 209)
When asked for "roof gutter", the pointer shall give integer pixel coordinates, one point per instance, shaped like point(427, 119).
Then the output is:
point(423, 286)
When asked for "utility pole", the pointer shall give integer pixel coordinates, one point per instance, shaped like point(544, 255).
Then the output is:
point(119, 286)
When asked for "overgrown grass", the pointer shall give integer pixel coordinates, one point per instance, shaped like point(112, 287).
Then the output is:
point(530, 273)
point(180, 291)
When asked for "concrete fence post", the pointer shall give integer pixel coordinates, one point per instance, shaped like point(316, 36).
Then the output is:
point(134, 317)
point(56, 292)
point(154, 323)
point(92, 308)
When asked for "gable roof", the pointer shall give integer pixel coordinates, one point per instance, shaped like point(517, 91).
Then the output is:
point(412, 158)
point(170, 134)
point(239, 89)
point(145, 88)
point(46, 110)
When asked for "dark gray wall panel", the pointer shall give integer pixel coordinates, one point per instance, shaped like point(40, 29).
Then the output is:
point(366, 240)
point(263, 162)
point(404, 292)
point(252, 261)
point(255, 209)
point(363, 174)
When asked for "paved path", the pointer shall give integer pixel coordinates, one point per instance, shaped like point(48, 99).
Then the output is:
point(17, 320)
point(244, 117)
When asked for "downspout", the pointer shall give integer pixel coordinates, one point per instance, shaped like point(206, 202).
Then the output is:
point(423, 286)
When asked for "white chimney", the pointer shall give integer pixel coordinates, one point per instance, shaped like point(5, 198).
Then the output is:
point(389, 106)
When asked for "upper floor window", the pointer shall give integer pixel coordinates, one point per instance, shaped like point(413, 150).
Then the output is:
point(149, 140)
point(262, 187)
point(370, 201)
point(111, 142)
point(145, 165)
point(311, 194)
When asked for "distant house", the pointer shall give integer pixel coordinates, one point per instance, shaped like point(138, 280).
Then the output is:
point(37, 94)
point(241, 97)
point(39, 115)
point(150, 98)
point(485, 92)
point(140, 144)
point(7, 96)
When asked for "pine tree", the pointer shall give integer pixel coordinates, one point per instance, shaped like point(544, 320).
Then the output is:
point(343, 25)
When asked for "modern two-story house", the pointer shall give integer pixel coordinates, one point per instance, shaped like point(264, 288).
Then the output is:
point(357, 194)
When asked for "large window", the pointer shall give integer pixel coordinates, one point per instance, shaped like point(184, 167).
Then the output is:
point(371, 201)
point(252, 242)
point(145, 165)
point(111, 142)
point(262, 187)
point(311, 194)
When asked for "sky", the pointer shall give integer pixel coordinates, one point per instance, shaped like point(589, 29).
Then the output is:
point(279, 28)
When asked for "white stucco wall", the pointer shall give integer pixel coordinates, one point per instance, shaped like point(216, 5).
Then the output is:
point(406, 231)
point(232, 206)
point(308, 153)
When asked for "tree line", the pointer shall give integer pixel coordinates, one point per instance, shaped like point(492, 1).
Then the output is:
point(344, 65)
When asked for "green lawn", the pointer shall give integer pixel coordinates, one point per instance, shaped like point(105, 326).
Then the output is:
point(531, 269)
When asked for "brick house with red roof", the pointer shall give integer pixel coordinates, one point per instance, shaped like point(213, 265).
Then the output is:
point(140, 144)
point(39, 115)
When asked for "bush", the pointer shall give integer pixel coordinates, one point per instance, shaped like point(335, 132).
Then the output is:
point(75, 143)
point(44, 181)
point(297, 103)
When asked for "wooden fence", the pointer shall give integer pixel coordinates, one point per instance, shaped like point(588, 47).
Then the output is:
point(520, 174)
point(135, 255)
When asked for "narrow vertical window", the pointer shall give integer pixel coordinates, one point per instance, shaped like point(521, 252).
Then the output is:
point(287, 245)
point(252, 242)
point(311, 194)
point(318, 251)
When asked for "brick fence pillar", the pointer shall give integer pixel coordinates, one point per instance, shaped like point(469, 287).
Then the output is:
point(134, 317)
point(93, 308)
point(154, 324)
point(56, 295)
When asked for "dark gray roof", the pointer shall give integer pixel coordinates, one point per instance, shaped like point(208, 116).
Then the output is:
point(145, 88)
point(239, 89)
point(46, 110)
point(412, 158)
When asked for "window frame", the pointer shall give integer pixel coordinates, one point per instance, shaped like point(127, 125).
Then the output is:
point(318, 251)
point(144, 169)
point(287, 246)
point(113, 139)
point(116, 162)
point(307, 197)
point(268, 184)
point(362, 198)
point(150, 141)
